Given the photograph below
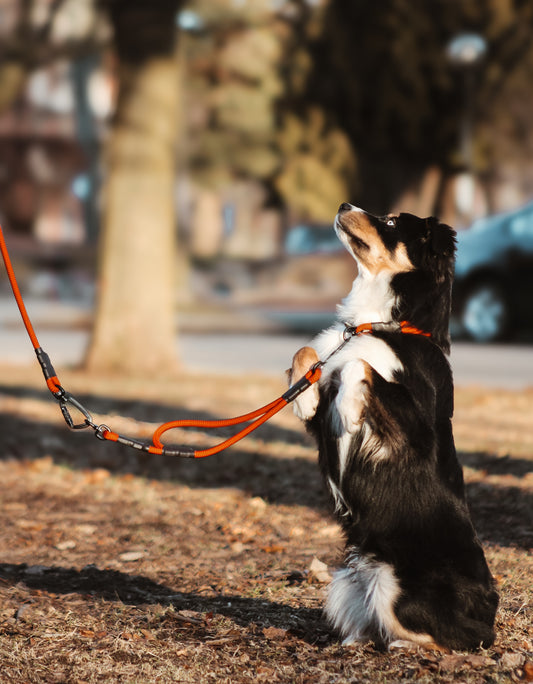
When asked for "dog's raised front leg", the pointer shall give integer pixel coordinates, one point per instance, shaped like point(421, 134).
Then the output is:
point(304, 405)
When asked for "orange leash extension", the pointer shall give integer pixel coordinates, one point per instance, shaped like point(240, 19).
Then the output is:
point(259, 416)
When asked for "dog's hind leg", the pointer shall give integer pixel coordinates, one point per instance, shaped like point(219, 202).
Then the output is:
point(306, 404)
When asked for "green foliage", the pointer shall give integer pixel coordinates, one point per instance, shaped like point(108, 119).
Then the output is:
point(251, 54)
point(383, 69)
point(318, 168)
point(378, 78)
point(248, 71)
point(241, 108)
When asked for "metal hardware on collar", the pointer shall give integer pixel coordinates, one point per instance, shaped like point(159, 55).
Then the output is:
point(382, 326)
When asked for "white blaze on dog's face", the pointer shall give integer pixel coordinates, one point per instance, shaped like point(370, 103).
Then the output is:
point(365, 237)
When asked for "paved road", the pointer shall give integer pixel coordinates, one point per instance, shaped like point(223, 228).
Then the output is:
point(505, 366)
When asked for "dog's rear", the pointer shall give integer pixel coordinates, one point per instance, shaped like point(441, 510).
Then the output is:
point(414, 569)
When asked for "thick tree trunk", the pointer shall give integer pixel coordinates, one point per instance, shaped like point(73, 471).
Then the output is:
point(134, 330)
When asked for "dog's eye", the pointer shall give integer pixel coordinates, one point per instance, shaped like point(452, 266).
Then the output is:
point(391, 222)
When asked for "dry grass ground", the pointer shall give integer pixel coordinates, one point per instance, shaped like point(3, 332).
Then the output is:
point(120, 567)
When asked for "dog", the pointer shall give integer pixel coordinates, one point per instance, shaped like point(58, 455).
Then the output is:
point(414, 570)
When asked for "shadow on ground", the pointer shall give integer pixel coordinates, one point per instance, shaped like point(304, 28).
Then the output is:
point(137, 590)
point(502, 511)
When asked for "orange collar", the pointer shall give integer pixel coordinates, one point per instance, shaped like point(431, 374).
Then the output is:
point(392, 326)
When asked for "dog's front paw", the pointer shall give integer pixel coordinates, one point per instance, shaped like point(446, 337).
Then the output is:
point(306, 404)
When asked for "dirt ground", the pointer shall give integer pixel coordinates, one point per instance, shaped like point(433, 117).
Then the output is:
point(122, 567)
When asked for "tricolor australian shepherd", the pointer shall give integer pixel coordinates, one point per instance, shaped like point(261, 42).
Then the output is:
point(414, 570)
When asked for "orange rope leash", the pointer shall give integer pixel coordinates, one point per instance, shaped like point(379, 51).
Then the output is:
point(258, 417)
point(51, 378)
point(261, 415)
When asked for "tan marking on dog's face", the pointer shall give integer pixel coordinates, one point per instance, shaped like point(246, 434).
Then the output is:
point(362, 239)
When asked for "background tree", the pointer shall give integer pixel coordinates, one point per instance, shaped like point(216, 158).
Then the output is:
point(134, 329)
point(38, 38)
point(253, 140)
point(383, 70)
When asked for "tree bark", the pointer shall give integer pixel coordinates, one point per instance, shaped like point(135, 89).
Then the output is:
point(134, 330)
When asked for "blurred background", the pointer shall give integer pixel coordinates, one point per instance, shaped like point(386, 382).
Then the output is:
point(173, 168)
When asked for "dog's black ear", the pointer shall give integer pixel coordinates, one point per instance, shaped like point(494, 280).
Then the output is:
point(442, 237)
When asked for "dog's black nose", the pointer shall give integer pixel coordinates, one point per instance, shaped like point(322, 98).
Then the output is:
point(345, 206)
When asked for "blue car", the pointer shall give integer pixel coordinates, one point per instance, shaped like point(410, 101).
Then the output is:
point(493, 288)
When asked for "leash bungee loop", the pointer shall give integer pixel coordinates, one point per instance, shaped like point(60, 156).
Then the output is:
point(260, 415)
point(257, 417)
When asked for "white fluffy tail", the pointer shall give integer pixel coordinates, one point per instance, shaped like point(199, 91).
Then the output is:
point(360, 603)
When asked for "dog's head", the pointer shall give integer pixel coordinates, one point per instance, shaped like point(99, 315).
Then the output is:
point(418, 256)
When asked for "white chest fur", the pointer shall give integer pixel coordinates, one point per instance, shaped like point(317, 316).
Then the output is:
point(363, 348)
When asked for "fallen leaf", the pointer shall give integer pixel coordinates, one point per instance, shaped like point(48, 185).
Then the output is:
point(478, 661)
point(188, 616)
point(275, 633)
point(452, 662)
point(319, 572)
point(258, 504)
point(528, 671)
point(130, 556)
point(220, 642)
point(273, 549)
point(511, 661)
point(65, 545)
point(88, 633)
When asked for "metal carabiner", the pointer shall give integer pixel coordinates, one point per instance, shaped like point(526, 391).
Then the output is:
point(349, 332)
point(64, 398)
